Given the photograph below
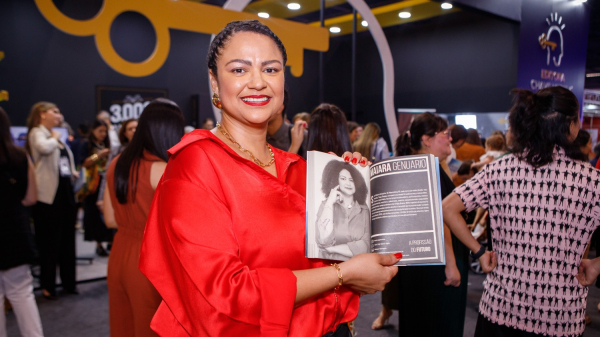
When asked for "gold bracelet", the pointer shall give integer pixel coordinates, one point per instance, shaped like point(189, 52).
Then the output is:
point(339, 274)
point(94, 157)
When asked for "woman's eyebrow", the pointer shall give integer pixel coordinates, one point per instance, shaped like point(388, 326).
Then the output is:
point(240, 61)
point(266, 63)
point(249, 63)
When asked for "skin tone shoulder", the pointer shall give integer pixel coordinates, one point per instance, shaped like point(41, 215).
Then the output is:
point(250, 84)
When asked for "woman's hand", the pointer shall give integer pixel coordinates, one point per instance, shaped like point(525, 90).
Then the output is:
point(354, 158)
point(452, 275)
point(488, 261)
point(369, 273)
point(103, 153)
point(297, 134)
point(333, 197)
point(588, 271)
point(55, 134)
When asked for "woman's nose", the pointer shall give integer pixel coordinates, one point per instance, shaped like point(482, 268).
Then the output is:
point(257, 81)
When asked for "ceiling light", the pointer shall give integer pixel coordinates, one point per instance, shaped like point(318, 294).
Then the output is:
point(293, 6)
point(335, 29)
point(592, 106)
point(263, 15)
point(446, 5)
point(364, 23)
point(592, 75)
point(404, 15)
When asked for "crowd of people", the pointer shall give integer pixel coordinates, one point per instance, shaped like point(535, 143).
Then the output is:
point(205, 232)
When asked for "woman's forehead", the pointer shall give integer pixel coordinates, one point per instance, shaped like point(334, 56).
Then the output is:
point(248, 44)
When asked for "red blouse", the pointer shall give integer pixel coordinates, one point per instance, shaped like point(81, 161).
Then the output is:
point(222, 239)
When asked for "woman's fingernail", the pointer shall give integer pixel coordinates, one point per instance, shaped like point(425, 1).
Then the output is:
point(398, 255)
point(346, 159)
point(305, 125)
point(354, 160)
point(363, 161)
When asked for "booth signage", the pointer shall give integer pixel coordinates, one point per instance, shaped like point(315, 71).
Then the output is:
point(125, 103)
point(553, 45)
point(591, 97)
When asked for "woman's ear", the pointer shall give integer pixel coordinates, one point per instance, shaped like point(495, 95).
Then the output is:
point(214, 84)
point(426, 140)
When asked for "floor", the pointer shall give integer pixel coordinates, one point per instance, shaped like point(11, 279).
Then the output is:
point(87, 314)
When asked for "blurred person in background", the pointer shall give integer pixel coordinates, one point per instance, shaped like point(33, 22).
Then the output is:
point(132, 178)
point(95, 152)
point(17, 190)
point(305, 116)
point(354, 129)
point(495, 147)
point(327, 131)
point(594, 161)
point(472, 148)
point(371, 145)
point(113, 133)
point(285, 136)
point(208, 124)
point(584, 141)
point(439, 292)
point(55, 212)
point(459, 135)
point(126, 132)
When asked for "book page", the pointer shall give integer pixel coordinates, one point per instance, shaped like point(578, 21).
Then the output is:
point(406, 212)
point(337, 208)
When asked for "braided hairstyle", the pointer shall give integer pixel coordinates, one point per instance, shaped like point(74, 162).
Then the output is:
point(540, 122)
point(218, 43)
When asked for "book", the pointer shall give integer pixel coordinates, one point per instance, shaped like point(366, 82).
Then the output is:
point(391, 206)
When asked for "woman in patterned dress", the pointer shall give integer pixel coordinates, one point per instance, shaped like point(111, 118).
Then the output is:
point(543, 210)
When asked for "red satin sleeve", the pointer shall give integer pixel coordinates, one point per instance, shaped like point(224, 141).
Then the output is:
point(190, 254)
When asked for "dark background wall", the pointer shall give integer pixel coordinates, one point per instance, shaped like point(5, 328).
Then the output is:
point(462, 62)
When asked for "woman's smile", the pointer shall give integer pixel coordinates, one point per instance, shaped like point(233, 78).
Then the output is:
point(256, 100)
point(346, 183)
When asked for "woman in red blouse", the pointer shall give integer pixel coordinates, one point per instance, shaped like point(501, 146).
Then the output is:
point(224, 242)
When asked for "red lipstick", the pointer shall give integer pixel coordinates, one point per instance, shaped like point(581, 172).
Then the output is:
point(256, 100)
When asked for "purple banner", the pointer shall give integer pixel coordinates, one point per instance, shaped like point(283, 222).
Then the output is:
point(553, 45)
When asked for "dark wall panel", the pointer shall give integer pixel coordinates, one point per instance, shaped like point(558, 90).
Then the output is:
point(455, 63)
point(462, 62)
point(43, 63)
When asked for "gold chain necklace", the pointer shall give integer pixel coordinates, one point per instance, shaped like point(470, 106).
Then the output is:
point(256, 161)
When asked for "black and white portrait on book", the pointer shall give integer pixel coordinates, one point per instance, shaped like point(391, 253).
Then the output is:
point(338, 219)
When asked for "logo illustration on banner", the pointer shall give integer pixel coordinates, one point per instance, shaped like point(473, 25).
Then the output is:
point(545, 40)
point(181, 15)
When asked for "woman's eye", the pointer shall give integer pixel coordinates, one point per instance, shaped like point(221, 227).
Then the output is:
point(238, 71)
point(271, 70)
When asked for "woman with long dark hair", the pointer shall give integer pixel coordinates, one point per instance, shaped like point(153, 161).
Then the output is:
point(95, 152)
point(17, 190)
point(543, 209)
point(439, 291)
point(132, 178)
point(224, 242)
point(327, 130)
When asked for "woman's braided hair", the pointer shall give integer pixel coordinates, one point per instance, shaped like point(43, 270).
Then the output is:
point(235, 27)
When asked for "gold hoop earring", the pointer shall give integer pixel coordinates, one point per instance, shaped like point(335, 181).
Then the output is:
point(216, 101)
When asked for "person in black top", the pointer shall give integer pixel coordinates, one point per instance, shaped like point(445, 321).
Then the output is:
point(17, 190)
